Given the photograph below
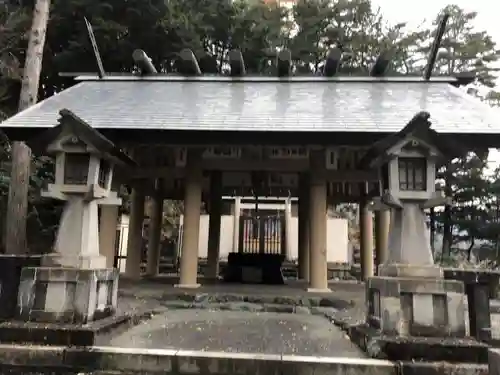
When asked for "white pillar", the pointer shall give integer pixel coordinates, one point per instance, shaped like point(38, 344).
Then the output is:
point(191, 227)
point(304, 229)
point(318, 268)
point(214, 225)
point(134, 243)
point(288, 228)
point(382, 221)
point(155, 226)
point(236, 227)
point(366, 243)
point(108, 227)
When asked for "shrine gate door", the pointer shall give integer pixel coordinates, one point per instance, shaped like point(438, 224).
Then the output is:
point(262, 232)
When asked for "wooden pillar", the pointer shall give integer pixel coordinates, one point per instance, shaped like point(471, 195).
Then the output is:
point(134, 245)
point(366, 237)
point(155, 226)
point(214, 225)
point(192, 211)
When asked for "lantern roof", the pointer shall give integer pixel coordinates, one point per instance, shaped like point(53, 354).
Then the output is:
point(71, 124)
point(417, 129)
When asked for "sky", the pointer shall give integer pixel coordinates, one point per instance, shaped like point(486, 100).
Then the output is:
point(400, 11)
point(395, 11)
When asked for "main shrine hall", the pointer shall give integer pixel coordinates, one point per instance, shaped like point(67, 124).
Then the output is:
point(199, 138)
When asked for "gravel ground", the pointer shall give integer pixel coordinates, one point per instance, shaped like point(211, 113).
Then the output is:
point(237, 331)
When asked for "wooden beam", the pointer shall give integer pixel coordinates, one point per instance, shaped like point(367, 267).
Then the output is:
point(431, 61)
point(236, 63)
point(189, 63)
point(144, 62)
point(381, 64)
point(284, 63)
point(257, 165)
point(332, 62)
point(330, 175)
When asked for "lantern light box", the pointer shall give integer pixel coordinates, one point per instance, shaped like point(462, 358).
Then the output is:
point(408, 162)
point(85, 160)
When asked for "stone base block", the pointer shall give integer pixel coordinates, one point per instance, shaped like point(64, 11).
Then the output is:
point(187, 286)
point(80, 261)
point(430, 350)
point(408, 270)
point(416, 306)
point(316, 290)
point(494, 361)
point(67, 295)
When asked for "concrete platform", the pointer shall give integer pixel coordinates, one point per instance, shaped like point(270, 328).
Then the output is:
point(240, 331)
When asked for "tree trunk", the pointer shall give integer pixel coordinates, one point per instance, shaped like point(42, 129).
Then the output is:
point(447, 218)
point(17, 208)
point(469, 250)
point(432, 228)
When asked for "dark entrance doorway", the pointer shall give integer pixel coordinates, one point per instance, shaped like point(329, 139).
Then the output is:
point(262, 232)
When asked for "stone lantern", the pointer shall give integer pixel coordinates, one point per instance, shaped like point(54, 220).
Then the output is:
point(78, 286)
point(410, 297)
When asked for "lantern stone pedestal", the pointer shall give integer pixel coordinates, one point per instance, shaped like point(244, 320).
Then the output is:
point(413, 313)
point(73, 284)
point(410, 297)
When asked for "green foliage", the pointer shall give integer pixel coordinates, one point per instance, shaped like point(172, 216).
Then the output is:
point(213, 27)
point(14, 21)
point(467, 49)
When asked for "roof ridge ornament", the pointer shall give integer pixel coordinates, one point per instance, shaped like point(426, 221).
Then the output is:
point(333, 62)
point(284, 63)
point(431, 61)
point(100, 68)
point(236, 63)
point(144, 62)
point(188, 63)
point(382, 63)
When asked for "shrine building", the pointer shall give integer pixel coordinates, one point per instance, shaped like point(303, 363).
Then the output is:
point(199, 138)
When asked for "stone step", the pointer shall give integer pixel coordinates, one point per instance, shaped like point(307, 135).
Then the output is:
point(108, 360)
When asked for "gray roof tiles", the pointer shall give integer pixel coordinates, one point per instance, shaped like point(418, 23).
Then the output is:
point(264, 106)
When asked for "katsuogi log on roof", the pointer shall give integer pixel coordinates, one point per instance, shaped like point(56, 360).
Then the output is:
point(144, 61)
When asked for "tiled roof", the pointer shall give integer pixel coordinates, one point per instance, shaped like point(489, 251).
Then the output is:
point(264, 106)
